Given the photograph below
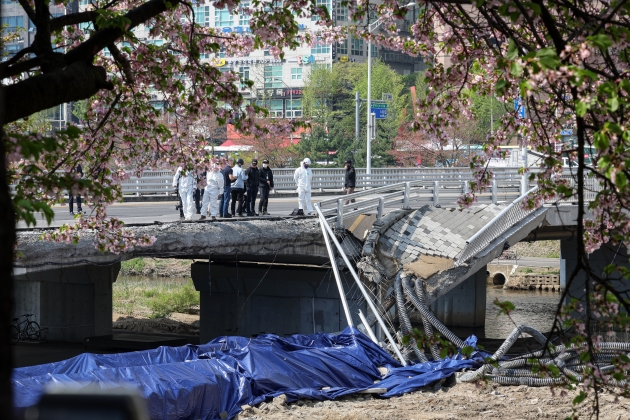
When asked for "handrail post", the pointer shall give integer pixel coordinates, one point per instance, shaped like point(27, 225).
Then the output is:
point(406, 198)
point(340, 213)
point(524, 182)
point(466, 188)
point(436, 194)
point(494, 191)
point(379, 213)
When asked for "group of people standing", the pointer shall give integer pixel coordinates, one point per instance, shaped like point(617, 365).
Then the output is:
point(241, 186)
point(220, 186)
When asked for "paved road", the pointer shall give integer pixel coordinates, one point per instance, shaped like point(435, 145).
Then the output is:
point(149, 212)
point(164, 211)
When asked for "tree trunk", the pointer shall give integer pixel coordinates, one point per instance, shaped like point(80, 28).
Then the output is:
point(7, 240)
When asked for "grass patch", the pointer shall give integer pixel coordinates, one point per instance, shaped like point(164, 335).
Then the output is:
point(135, 265)
point(153, 298)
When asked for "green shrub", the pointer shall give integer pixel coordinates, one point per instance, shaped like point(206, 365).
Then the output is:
point(179, 299)
point(133, 266)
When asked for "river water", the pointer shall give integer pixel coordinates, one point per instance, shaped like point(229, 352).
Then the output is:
point(535, 308)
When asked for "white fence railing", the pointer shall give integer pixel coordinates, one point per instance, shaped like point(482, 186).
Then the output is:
point(160, 182)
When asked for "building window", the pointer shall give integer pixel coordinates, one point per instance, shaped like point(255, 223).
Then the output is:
point(342, 12)
point(294, 108)
point(296, 73)
point(342, 47)
point(12, 49)
point(223, 17)
point(321, 3)
point(243, 72)
point(273, 77)
point(14, 23)
point(202, 15)
point(321, 48)
point(273, 105)
point(357, 46)
point(374, 50)
point(243, 19)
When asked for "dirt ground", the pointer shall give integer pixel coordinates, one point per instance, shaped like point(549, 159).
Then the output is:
point(176, 323)
point(538, 249)
point(462, 401)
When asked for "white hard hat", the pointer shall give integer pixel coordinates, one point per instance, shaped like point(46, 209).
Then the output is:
point(307, 161)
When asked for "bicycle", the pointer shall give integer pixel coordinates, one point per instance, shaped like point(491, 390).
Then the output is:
point(31, 329)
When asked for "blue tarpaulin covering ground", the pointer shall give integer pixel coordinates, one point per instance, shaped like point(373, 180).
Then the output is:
point(200, 382)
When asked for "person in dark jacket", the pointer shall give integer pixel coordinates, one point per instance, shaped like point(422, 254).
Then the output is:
point(78, 170)
point(251, 185)
point(265, 185)
point(351, 180)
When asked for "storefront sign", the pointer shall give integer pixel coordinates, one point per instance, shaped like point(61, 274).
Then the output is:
point(251, 61)
point(278, 93)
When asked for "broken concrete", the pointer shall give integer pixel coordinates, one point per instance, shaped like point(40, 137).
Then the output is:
point(286, 240)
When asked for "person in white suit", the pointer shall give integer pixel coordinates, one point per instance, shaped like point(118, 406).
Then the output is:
point(302, 177)
point(215, 183)
point(185, 183)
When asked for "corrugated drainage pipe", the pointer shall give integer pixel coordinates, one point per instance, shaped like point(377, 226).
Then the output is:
point(514, 335)
point(405, 323)
point(428, 329)
point(433, 320)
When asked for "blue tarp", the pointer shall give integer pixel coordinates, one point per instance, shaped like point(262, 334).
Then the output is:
point(200, 382)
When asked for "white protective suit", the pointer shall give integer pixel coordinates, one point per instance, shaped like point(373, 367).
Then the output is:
point(214, 187)
point(186, 188)
point(302, 177)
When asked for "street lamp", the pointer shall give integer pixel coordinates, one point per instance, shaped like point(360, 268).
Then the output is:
point(371, 27)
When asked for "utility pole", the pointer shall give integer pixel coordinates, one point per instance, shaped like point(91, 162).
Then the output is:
point(357, 100)
point(369, 110)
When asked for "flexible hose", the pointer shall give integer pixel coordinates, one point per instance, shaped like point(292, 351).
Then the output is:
point(428, 328)
point(405, 323)
point(514, 335)
point(507, 380)
point(433, 320)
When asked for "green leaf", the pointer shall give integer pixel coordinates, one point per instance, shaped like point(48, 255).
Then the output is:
point(468, 350)
point(613, 104)
point(601, 41)
point(512, 53)
point(620, 179)
point(516, 69)
point(581, 397)
point(609, 269)
point(500, 87)
point(600, 141)
point(581, 108)
point(546, 52)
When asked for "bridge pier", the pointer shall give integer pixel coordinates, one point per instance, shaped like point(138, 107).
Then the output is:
point(250, 298)
point(465, 305)
point(606, 254)
point(72, 302)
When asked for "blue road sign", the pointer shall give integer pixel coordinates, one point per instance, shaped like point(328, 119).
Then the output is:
point(379, 113)
point(519, 107)
point(566, 132)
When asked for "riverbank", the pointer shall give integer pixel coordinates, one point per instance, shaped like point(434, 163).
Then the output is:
point(462, 401)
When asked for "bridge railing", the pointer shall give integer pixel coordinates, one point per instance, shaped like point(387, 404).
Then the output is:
point(505, 187)
point(516, 212)
point(160, 182)
point(508, 217)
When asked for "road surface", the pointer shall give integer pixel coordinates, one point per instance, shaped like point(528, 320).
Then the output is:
point(164, 211)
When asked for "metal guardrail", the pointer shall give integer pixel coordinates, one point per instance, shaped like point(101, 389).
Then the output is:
point(508, 217)
point(404, 192)
point(514, 213)
point(160, 182)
